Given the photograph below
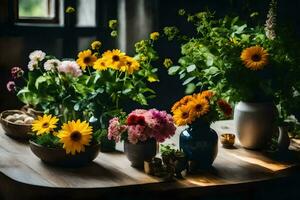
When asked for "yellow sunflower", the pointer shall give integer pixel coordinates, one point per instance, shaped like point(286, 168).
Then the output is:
point(101, 64)
point(255, 57)
point(96, 45)
point(183, 116)
point(75, 136)
point(114, 58)
point(181, 102)
point(85, 59)
point(207, 94)
point(129, 65)
point(198, 106)
point(44, 124)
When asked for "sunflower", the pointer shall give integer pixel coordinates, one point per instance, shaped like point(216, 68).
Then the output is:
point(225, 107)
point(198, 106)
point(207, 94)
point(114, 58)
point(44, 124)
point(129, 65)
point(255, 57)
point(85, 59)
point(181, 102)
point(75, 136)
point(101, 64)
point(183, 116)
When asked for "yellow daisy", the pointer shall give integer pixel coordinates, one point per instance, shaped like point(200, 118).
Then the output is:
point(198, 106)
point(129, 65)
point(183, 116)
point(255, 57)
point(101, 64)
point(75, 136)
point(114, 58)
point(85, 59)
point(44, 124)
point(96, 45)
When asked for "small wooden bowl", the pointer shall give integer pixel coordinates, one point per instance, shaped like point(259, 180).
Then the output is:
point(14, 130)
point(59, 157)
point(227, 140)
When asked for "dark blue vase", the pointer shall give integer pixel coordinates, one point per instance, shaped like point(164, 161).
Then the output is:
point(200, 144)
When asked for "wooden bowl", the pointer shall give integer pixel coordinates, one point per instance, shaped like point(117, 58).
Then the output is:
point(59, 157)
point(227, 140)
point(14, 130)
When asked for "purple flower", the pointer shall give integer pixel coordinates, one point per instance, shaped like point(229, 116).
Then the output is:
point(11, 86)
point(16, 72)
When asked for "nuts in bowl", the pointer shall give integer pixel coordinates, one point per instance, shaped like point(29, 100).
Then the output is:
point(16, 124)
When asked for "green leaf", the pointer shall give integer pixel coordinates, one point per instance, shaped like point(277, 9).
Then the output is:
point(140, 98)
point(190, 88)
point(40, 80)
point(173, 70)
point(191, 68)
point(188, 80)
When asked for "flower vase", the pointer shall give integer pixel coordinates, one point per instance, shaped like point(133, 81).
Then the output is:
point(200, 144)
point(140, 152)
point(255, 124)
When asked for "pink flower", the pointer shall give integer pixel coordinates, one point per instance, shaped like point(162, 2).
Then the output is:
point(16, 72)
point(70, 67)
point(115, 129)
point(136, 133)
point(11, 86)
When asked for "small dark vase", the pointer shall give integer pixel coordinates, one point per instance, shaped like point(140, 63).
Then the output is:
point(140, 152)
point(200, 144)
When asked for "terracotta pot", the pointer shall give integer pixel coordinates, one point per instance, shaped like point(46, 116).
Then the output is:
point(14, 130)
point(58, 156)
point(140, 152)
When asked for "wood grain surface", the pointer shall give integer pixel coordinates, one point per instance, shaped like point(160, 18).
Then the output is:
point(111, 173)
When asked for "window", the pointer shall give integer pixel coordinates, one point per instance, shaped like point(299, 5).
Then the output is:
point(37, 11)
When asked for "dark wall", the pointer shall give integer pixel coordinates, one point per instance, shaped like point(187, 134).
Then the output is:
point(17, 42)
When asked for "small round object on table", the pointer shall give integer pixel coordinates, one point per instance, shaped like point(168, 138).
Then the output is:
point(227, 140)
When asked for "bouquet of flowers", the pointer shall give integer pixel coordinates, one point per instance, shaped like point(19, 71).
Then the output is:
point(141, 125)
point(204, 106)
point(73, 136)
point(240, 62)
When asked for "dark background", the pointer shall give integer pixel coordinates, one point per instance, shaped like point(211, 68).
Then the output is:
point(18, 40)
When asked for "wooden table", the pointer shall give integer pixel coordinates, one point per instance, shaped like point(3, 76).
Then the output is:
point(24, 176)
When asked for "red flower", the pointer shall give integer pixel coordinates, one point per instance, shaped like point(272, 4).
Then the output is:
point(225, 107)
point(135, 120)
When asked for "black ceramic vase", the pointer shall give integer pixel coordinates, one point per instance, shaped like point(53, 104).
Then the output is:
point(200, 144)
point(140, 152)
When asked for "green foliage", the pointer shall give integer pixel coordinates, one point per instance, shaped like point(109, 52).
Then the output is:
point(47, 140)
point(211, 60)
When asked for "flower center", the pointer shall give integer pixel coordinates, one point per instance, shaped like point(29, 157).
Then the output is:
point(198, 107)
point(116, 58)
point(256, 58)
point(75, 136)
point(129, 63)
point(45, 125)
point(87, 60)
point(185, 115)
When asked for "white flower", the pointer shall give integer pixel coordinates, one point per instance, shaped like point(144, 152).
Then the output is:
point(51, 64)
point(37, 55)
point(33, 65)
point(70, 67)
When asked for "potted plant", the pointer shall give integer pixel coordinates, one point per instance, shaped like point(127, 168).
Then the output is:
point(141, 130)
point(94, 87)
point(253, 66)
point(64, 143)
point(198, 141)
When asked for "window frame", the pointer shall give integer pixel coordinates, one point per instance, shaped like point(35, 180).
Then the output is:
point(36, 20)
